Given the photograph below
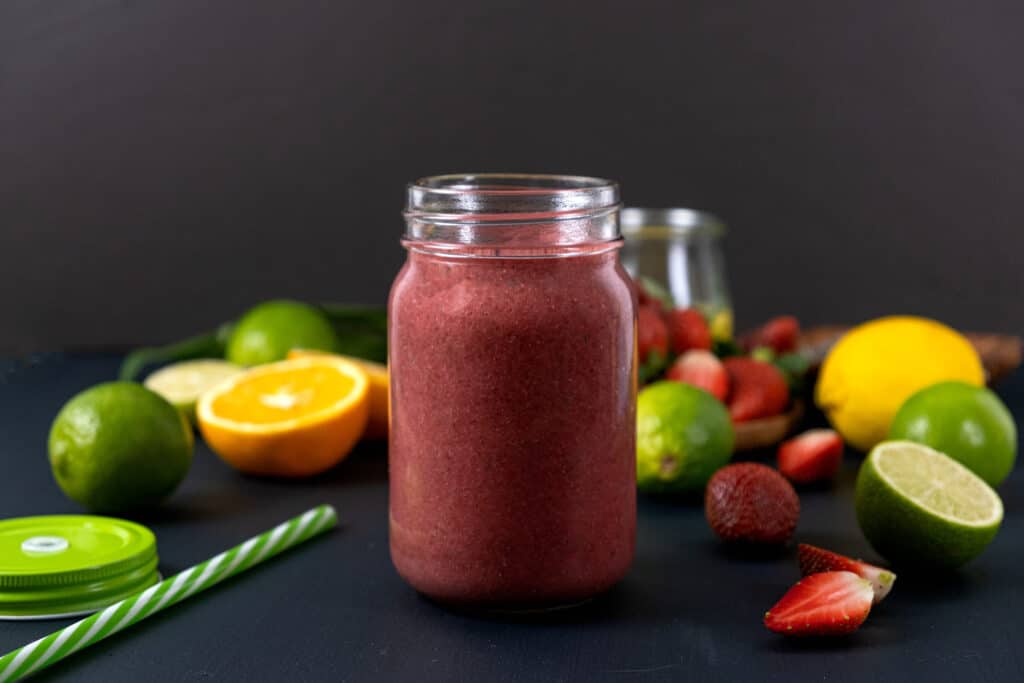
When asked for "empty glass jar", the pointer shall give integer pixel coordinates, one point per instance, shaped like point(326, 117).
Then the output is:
point(679, 251)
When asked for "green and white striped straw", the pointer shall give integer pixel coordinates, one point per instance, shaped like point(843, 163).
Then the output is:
point(67, 641)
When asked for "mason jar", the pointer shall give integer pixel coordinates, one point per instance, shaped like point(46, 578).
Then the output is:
point(513, 389)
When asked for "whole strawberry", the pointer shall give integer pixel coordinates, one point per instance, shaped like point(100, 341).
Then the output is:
point(752, 503)
point(651, 334)
point(780, 334)
point(703, 370)
point(645, 299)
point(759, 389)
point(688, 330)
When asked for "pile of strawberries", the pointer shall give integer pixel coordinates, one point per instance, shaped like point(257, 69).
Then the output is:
point(754, 378)
point(750, 503)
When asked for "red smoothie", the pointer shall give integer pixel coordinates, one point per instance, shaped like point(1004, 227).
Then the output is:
point(513, 381)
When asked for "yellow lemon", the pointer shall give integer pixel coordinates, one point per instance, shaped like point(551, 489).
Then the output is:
point(377, 426)
point(876, 366)
point(293, 418)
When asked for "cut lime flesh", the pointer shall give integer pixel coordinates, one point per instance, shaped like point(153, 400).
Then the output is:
point(183, 383)
point(917, 506)
point(938, 484)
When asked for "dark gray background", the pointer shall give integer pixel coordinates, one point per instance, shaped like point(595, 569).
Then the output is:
point(165, 164)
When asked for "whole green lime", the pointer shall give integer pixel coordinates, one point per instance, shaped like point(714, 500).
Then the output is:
point(684, 435)
point(267, 332)
point(968, 423)
point(118, 447)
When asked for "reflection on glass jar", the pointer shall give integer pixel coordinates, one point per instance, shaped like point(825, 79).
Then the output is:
point(677, 253)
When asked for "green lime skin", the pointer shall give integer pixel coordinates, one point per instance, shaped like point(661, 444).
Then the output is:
point(968, 423)
point(909, 536)
point(684, 435)
point(119, 447)
point(267, 332)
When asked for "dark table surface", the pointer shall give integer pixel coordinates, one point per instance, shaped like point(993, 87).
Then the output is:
point(334, 609)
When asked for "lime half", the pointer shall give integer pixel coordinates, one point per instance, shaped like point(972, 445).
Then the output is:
point(183, 383)
point(917, 506)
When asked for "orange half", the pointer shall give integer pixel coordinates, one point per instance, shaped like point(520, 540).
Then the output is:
point(294, 418)
point(377, 426)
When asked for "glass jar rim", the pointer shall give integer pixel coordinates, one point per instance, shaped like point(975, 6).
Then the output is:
point(636, 222)
point(509, 198)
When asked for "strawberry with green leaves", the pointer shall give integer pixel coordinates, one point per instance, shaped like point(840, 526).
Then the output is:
point(814, 560)
point(758, 389)
point(651, 341)
point(781, 335)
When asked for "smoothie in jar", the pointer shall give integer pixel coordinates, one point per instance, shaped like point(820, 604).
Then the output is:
point(513, 384)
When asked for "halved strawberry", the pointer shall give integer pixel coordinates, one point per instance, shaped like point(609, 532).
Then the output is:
point(813, 456)
point(814, 560)
point(758, 389)
point(701, 369)
point(828, 604)
point(651, 334)
point(687, 330)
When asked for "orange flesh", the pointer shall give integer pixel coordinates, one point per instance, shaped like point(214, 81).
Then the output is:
point(288, 395)
point(377, 375)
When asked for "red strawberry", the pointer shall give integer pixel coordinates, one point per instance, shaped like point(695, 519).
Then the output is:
point(814, 560)
point(702, 369)
point(814, 455)
point(751, 502)
point(779, 334)
point(651, 334)
point(828, 604)
point(688, 330)
point(645, 299)
point(758, 389)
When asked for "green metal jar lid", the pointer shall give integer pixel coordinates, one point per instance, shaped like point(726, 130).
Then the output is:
point(67, 565)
